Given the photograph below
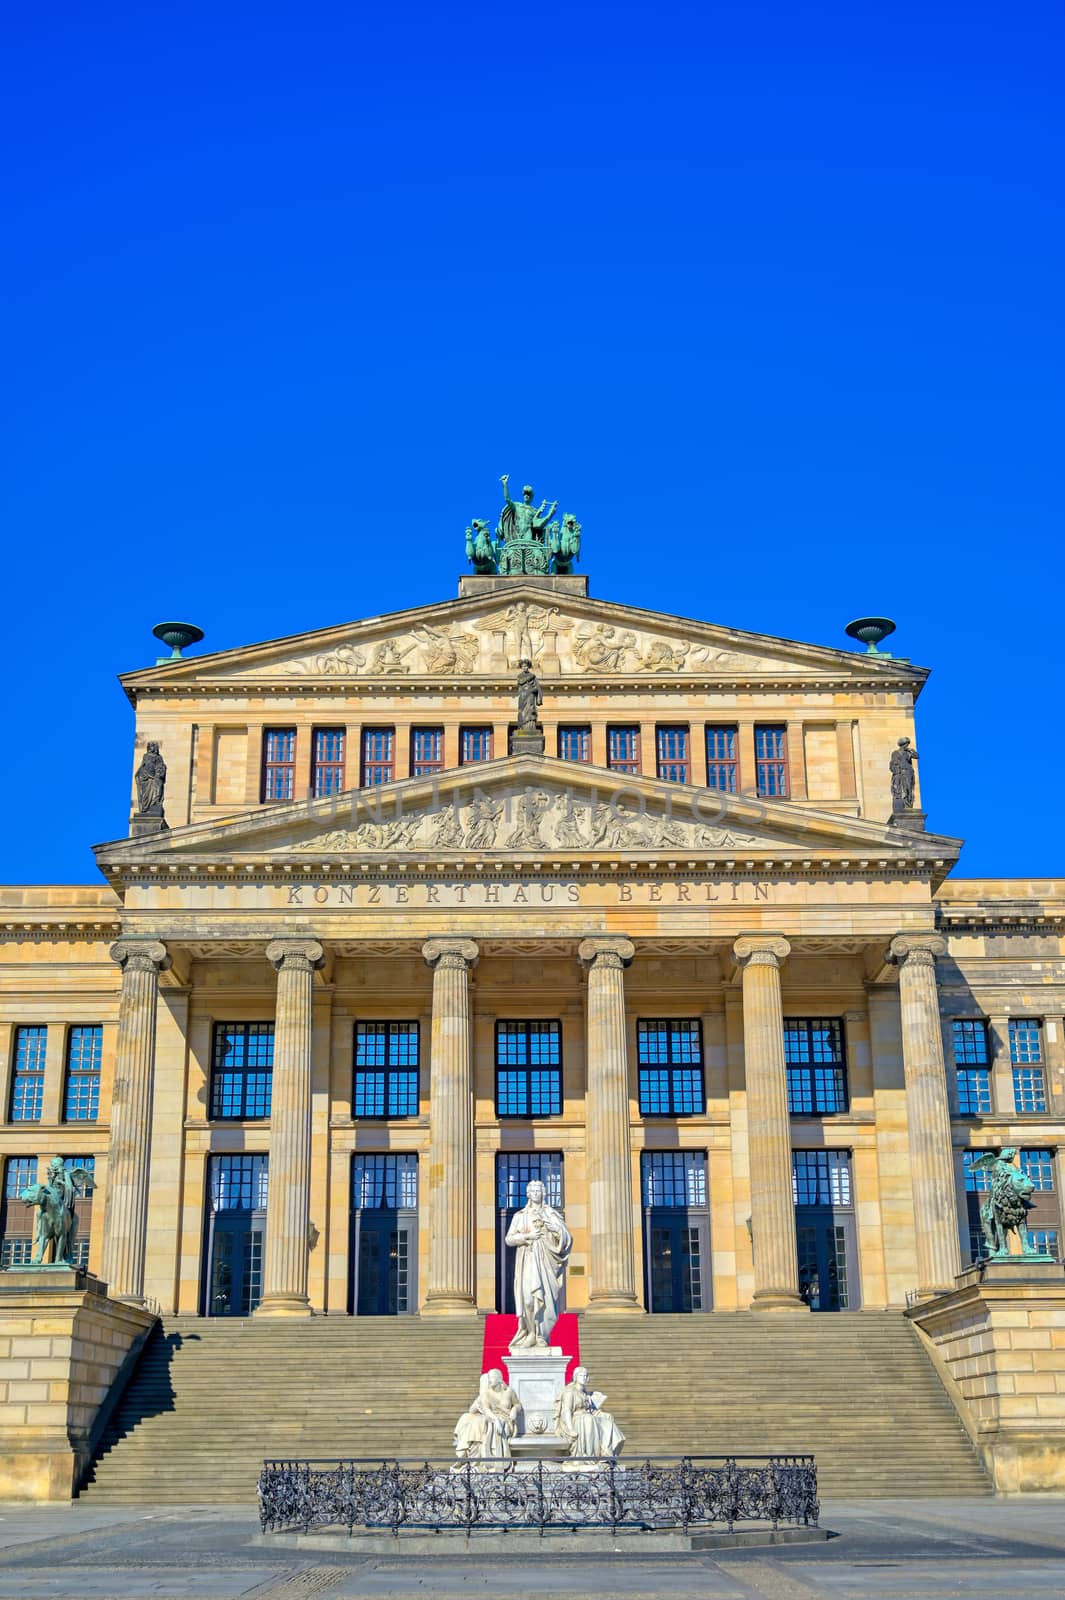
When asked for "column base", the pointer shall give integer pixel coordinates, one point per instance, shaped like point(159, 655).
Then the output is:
point(449, 1305)
point(778, 1300)
point(613, 1302)
point(283, 1305)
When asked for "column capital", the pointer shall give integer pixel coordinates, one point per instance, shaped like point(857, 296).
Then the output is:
point(918, 949)
point(295, 955)
point(606, 950)
point(458, 954)
point(140, 955)
point(760, 950)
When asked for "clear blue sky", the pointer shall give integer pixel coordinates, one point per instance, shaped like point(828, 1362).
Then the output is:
point(770, 295)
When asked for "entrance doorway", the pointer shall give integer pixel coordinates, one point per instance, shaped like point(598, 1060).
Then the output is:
point(236, 1229)
point(384, 1235)
point(825, 1229)
point(513, 1174)
point(676, 1230)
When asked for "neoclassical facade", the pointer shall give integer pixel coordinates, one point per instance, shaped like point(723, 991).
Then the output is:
point(381, 966)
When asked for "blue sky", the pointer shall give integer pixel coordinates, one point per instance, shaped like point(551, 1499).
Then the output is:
point(770, 296)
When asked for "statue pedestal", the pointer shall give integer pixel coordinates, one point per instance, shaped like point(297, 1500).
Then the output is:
point(147, 822)
point(537, 1378)
point(913, 821)
point(527, 744)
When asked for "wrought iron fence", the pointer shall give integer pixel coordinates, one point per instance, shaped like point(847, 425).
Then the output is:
point(658, 1492)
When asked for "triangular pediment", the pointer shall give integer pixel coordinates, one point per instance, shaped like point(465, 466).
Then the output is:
point(528, 807)
point(483, 637)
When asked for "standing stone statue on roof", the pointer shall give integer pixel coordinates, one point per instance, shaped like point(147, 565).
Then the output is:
point(530, 697)
point(526, 541)
point(903, 776)
point(150, 779)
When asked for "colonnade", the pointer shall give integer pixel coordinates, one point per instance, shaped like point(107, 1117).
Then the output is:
point(611, 1263)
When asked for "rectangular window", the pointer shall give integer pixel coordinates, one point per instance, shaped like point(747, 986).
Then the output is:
point(327, 769)
point(1025, 1043)
point(1039, 1166)
point(378, 756)
point(821, 1178)
point(670, 1054)
point(623, 750)
point(722, 763)
point(279, 763)
point(1029, 1089)
point(813, 1054)
point(27, 1088)
point(771, 762)
point(674, 762)
point(239, 1183)
point(1026, 1052)
point(85, 1167)
point(84, 1052)
point(972, 1060)
point(528, 1069)
point(387, 1183)
point(386, 1070)
point(475, 744)
point(426, 751)
point(1042, 1225)
point(17, 1221)
point(675, 1179)
point(242, 1069)
point(575, 744)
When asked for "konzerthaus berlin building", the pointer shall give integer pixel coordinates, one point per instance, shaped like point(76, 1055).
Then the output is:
point(386, 960)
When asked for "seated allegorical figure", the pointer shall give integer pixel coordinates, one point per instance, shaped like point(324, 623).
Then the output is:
point(580, 1418)
point(484, 1431)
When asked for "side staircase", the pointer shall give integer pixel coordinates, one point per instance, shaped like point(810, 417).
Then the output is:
point(210, 1399)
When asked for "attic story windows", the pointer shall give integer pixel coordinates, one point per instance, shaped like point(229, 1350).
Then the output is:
point(279, 764)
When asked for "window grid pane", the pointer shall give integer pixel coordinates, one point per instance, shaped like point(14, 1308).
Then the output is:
point(238, 1183)
point(821, 1177)
point(528, 1069)
point(721, 759)
point(384, 1183)
point(974, 1091)
point(475, 744)
point(623, 750)
point(426, 751)
point(1025, 1044)
point(813, 1054)
point(1029, 1089)
point(19, 1173)
point(386, 1070)
point(1039, 1166)
point(84, 1053)
point(328, 772)
point(673, 1178)
point(670, 1058)
point(27, 1089)
point(970, 1042)
point(575, 744)
point(279, 763)
point(674, 764)
point(771, 762)
point(514, 1173)
point(243, 1063)
point(378, 756)
point(1044, 1240)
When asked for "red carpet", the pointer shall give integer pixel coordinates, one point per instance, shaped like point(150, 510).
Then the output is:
point(498, 1332)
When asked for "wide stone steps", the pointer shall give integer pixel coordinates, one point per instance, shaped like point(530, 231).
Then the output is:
point(210, 1399)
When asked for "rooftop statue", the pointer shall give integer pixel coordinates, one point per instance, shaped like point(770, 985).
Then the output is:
point(903, 777)
point(526, 540)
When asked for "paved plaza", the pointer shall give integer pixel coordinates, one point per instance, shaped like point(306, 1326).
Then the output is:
point(884, 1549)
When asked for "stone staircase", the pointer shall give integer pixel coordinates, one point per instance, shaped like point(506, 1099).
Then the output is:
point(210, 1399)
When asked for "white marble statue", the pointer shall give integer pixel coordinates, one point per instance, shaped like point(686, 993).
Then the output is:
point(543, 1247)
point(484, 1431)
point(580, 1418)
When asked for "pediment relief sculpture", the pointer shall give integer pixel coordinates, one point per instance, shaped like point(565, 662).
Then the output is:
point(530, 819)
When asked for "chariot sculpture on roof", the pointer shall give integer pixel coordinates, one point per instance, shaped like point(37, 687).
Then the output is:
point(526, 539)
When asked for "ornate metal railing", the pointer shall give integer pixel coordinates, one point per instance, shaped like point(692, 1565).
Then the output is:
point(658, 1492)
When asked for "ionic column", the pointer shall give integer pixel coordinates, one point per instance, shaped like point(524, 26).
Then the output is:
point(288, 1196)
point(451, 1153)
point(776, 1267)
point(141, 961)
point(612, 1268)
point(935, 1206)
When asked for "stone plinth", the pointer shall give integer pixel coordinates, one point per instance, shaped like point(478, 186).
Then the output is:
point(63, 1345)
point(913, 821)
point(537, 1378)
point(999, 1339)
point(472, 584)
point(527, 743)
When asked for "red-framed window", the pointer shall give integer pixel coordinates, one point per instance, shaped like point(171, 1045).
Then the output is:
point(426, 751)
point(771, 761)
point(475, 744)
point(674, 754)
point(327, 762)
point(378, 756)
point(623, 750)
point(279, 763)
point(575, 744)
point(722, 759)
